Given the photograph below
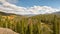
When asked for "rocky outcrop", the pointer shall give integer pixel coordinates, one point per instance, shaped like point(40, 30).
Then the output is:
point(6, 31)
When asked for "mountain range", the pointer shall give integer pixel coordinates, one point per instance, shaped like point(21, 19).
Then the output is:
point(8, 13)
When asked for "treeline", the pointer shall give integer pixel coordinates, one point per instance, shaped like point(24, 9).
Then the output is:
point(40, 24)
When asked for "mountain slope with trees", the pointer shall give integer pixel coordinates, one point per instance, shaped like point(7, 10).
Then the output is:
point(39, 24)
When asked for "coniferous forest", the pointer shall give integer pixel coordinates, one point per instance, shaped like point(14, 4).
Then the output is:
point(38, 24)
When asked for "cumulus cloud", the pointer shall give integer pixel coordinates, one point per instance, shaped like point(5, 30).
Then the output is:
point(11, 8)
point(8, 7)
point(42, 9)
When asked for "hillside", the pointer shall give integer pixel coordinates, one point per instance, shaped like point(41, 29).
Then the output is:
point(57, 12)
point(46, 23)
point(53, 20)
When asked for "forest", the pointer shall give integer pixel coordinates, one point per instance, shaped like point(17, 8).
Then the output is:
point(38, 24)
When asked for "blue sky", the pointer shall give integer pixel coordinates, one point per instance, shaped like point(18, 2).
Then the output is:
point(29, 3)
point(30, 6)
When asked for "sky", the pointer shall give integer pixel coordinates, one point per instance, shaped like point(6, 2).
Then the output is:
point(29, 3)
point(30, 6)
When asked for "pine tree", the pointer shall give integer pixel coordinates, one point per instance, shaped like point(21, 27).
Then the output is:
point(39, 27)
point(30, 26)
point(55, 26)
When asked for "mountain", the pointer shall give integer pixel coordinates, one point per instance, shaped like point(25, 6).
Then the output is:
point(57, 12)
point(8, 14)
point(3, 13)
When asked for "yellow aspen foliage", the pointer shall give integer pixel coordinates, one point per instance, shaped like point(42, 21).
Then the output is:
point(10, 17)
point(4, 16)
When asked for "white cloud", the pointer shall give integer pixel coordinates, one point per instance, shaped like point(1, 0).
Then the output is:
point(11, 8)
point(42, 9)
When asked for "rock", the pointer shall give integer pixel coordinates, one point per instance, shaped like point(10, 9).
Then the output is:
point(6, 31)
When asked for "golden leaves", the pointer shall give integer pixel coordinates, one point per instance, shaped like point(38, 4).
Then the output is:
point(8, 17)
